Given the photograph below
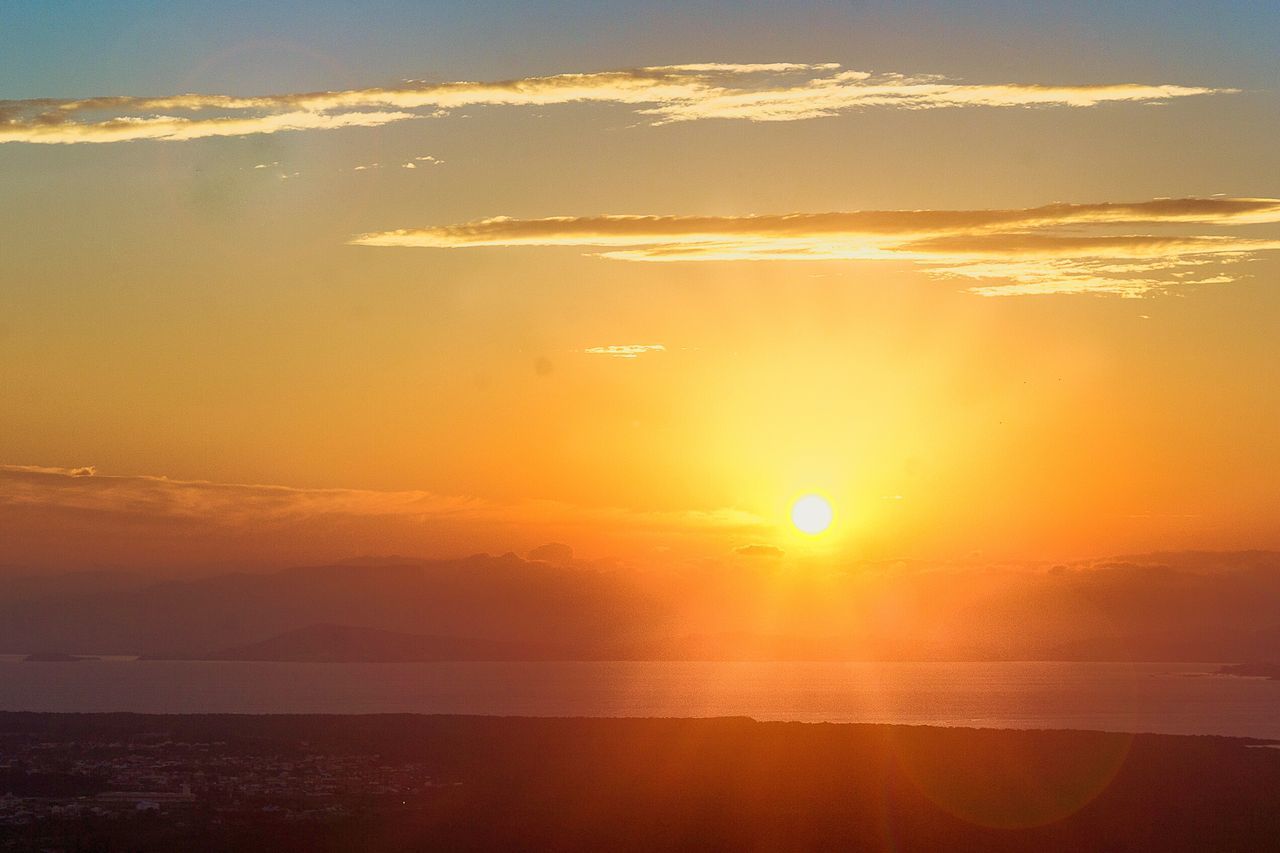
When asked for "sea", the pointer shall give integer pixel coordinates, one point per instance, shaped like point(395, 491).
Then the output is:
point(1169, 698)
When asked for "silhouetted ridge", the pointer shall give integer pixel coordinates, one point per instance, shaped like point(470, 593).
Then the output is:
point(354, 644)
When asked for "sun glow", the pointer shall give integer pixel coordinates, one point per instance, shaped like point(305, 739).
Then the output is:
point(811, 514)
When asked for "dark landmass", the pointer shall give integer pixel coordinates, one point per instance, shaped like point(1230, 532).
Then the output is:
point(353, 644)
point(56, 657)
point(117, 782)
point(1208, 607)
point(1252, 670)
point(40, 587)
point(348, 644)
point(1176, 644)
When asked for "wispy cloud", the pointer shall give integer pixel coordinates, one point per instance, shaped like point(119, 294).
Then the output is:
point(625, 350)
point(155, 500)
point(228, 503)
point(1057, 248)
point(81, 471)
point(662, 94)
point(1133, 278)
point(63, 128)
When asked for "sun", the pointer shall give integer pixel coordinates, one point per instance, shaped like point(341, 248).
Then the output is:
point(811, 514)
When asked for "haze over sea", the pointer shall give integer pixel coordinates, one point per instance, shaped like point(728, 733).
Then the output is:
point(1169, 698)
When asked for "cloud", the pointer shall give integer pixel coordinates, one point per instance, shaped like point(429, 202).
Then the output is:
point(40, 128)
point(87, 516)
point(625, 350)
point(427, 160)
point(663, 94)
point(80, 471)
point(234, 503)
point(811, 230)
point(225, 503)
point(1135, 279)
point(767, 551)
point(1057, 248)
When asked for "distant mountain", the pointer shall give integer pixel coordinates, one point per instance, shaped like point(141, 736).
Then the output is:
point(351, 644)
point(1222, 644)
point(1207, 607)
point(55, 657)
point(502, 598)
point(37, 587)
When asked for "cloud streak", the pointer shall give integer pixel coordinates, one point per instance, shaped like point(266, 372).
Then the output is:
point(1057, 248)
point(660, 94)
point(83, 488)
point(625, 350)
point(82, 516)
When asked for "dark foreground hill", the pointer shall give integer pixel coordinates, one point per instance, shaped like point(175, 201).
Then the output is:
point(406, 783)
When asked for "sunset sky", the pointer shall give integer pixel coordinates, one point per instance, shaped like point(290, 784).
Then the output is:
point(334, 279)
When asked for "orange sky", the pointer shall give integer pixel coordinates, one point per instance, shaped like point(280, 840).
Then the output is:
point(1022, 307)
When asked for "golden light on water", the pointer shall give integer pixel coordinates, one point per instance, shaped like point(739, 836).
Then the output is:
point(812, 514)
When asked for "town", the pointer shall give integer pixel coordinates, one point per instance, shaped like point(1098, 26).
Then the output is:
point(80, 794)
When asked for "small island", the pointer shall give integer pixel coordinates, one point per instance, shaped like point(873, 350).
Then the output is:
point(1251, 670)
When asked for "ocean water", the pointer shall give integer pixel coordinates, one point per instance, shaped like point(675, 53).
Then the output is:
point(1141, 697)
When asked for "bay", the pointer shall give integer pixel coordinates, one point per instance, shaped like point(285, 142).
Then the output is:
point(1130, 697)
